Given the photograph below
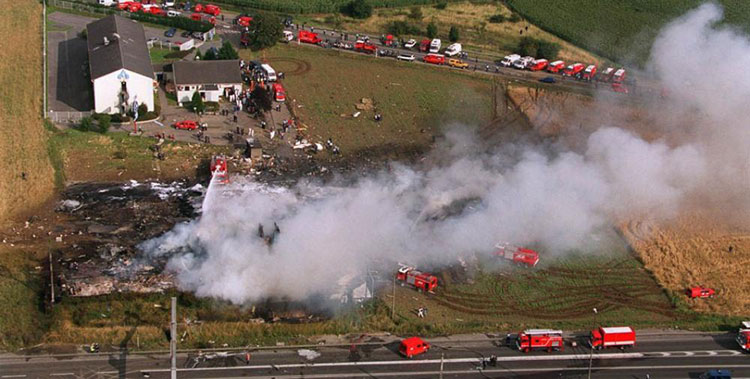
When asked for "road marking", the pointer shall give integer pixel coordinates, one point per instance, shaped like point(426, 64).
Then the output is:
point(63, 374)
point(13, 376)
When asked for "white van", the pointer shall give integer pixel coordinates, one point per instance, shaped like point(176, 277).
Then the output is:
point(269, 71)
point(509, 60)
point(435, 45)
point(107, 3)
point(288, 36)
point(453, 49)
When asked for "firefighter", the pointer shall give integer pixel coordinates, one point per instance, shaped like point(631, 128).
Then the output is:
point(493, 360)
point(420, 312)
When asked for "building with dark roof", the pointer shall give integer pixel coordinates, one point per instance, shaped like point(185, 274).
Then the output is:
point(211, 79)
point(120, 65)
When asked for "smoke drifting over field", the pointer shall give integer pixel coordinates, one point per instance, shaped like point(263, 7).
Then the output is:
point(521, 194)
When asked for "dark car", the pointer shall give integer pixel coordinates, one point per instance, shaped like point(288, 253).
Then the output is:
point(716, 374)
point(170, 32)
point(547, 79)
point(185, 34)
point(288, 21)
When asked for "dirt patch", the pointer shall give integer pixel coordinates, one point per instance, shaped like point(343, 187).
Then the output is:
point(299, 67)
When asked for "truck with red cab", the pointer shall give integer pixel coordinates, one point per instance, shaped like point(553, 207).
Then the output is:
point(539, 339)
point(424, 46)
point(244, 21)
point(213, 10)
point(413, 346)
point(607, 75)
point(219, 169)
point(365, 47)
point(518, 255)
point(538, 64)
point(700, 292)
point(434, 58)
point(589, 72)
point(574, 70)
point(556, 67)
point(743, 336)
point(619, 76)
point(618, 336)
point(422, 281)
point(308, 37)
point(278, 92)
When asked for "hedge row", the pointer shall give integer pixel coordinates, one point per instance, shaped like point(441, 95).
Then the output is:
point(176, 22)
point(317, 6)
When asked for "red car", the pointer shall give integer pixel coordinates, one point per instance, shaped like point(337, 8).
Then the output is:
point(434, 58)
point(413, 346)
point(700, 292)
point(186, 125)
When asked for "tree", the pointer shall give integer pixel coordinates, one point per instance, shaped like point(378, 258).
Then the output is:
point(453, 34)
point(415, 13)
point(432, 30)
point(441, 4)
point(265, 31)
point(262, 98)
point(528, 46)
point(210, 55)
point(196, 103)
point(547, 50)
point(227, 51)
point(497, 18)
point(85, 124)
point(400, 28)
point(198, 56)
point(358, 9)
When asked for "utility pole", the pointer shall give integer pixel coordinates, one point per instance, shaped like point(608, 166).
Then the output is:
point(173, 338)
point(442, 357)
point(393, 307)
point(51, 281)
point(591, 355)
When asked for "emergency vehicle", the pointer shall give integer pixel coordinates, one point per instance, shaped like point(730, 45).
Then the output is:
point(365, 47)
point(574, 69)
point(219, 169)
point(620, 336)
point(619, 75)
point(434, 58)
point(556, 66)
point(538, 65)
point(420, 280)
point(278, 92)
point(743, 336)
point(700, 292)
point(424, 46)
point(213, 10)
point(413, 346)
point(308, 37)
point(539, 339)
point(518, 255)
point(589, 72)
point(607, 75)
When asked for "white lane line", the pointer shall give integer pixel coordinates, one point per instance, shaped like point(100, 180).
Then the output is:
point(13, 376)
point(62, 374)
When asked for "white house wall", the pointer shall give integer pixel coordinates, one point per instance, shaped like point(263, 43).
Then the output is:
point(107, 90)
point(185, 95)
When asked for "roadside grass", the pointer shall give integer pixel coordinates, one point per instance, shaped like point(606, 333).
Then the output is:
point(416, 101)
point(27, 177)
point(22, 320)
point(90, 156)
point(622, 31)
point(472, 19)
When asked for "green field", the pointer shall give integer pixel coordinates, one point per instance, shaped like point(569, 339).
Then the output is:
point(316, 6)
point(618, 30)
point(415, 100)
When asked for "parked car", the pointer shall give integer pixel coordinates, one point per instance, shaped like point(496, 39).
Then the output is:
point(405, 57)
point(410, 44)
point(197, 35)
point(548, 79)
point(153, 39)
point(170, 32)
point(186, 125)
point(434, 58)
point(185, 34)
point(168, 3)
point(716, 374)
point(457, 63)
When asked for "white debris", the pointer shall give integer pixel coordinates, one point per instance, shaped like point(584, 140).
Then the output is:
point(308, 354)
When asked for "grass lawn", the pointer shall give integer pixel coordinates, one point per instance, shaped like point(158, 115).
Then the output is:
point(414, 100)
point(159, 55)
point(22, 321)
point(620, 30)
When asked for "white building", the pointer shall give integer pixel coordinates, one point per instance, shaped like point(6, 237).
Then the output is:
point(120, 65)
point(211, 79)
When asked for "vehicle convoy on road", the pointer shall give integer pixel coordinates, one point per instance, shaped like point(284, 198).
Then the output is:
point(620, 336)
point(422, 281)
point(574, 70)
point(308, 37)
point(365, 47)
point(539, 339)
point(457, 63)
point(589, 72)
point(452, 50)
point(435, 45)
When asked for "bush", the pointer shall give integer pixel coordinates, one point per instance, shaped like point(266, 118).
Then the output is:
point(453, 34)
point(514, 17)
point(196, 103)
point(400, 28)
point(227, 51)
point(85, 124)
point(415, 13)
point(118, 118)
point(432, 30)
point(212, 106)
point(538, 48)
point(83, 34)
point(358, 9)
point(105, 121)
point(441, 5)
point(497, 18)
point(210, 55)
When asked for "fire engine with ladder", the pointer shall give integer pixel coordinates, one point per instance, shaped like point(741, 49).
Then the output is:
point(539, 339)
point(219, 169)
point(420, 280)
point(517, 255)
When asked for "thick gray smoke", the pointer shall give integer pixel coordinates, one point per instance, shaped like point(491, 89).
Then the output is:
point(558, 202)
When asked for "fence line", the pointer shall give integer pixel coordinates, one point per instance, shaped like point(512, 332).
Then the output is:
point(67, 117)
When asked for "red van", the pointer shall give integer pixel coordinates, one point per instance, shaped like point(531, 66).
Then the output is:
point(434, 58)
point(413, 346)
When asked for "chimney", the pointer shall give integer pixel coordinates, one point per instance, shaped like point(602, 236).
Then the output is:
point(106, 41)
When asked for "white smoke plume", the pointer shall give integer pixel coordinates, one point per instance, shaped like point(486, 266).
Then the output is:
point(558, 201)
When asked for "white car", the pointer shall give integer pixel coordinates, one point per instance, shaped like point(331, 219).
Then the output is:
point(435, 45)
point(168, 3)
point(453, 50)
point(405, 57)
point(410, 43)
point(509, 60)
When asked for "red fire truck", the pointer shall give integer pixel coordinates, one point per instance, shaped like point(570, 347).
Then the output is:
point(420, 280)
point(539, 339)
point(518, 255)
point(308, 37)
point(574, 69)
point(413, 346)
point(743, 336)
point(590, 72)
point(700, 292)
point(424, 46)
point(365, 47)
point(211, 9)
point(556, 66)
point(219, 169)
point(278, 92)
point(620, 336)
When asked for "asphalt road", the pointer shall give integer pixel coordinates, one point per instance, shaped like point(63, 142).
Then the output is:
point(660, 356)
